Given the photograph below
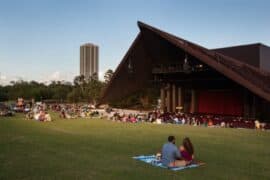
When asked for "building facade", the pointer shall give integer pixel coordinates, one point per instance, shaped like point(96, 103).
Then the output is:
point(194, 79)
point(89, 57)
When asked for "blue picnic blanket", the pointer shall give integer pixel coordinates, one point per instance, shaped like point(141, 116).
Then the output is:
point(151, 159)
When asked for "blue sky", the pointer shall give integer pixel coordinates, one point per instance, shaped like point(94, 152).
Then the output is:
point(40, 39)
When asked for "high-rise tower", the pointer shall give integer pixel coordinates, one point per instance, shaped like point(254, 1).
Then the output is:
point(89, 60)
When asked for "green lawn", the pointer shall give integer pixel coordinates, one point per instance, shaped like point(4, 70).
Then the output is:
point(100, 149)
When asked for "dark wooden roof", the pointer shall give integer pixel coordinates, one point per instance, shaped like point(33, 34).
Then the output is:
point(252, 54)
point(250, 77)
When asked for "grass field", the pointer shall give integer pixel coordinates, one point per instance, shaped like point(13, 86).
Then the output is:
point(100, 149)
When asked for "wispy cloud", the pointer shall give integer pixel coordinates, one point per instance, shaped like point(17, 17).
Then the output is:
point(3, 80)
point(45, 78)
point(57, 76)
point(3, 77)
point(101, 75)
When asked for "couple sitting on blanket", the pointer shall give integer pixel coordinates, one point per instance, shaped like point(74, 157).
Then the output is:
point(171, 156)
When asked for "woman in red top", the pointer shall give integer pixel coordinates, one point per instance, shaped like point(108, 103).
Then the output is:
point(187, 150)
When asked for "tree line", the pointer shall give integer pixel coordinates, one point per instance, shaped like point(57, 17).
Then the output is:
point(82, 89)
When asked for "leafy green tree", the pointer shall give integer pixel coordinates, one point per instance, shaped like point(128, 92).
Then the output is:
point(93, 90)
point(108, 76)
point(74, 96)
point(3, 94)
point(81, 91)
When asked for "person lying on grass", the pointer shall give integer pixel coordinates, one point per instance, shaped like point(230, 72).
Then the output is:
point(170, 154)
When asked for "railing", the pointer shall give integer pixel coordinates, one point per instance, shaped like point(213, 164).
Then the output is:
point(178, 69)
point(247, 73)
point(251, 74)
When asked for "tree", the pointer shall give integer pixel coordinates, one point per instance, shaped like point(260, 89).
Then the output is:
point(3, 94)
point(74, 96)
point(93, 90)
point(59, 90)
point(81, 91)
point(79, 80)
point(145, 98)
point(94, 77)
point(108, 76)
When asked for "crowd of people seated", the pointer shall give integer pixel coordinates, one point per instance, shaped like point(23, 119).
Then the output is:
point(124, 117)
point(206, 120)
point(39, 112)
point(70, 111)
point(67, 111)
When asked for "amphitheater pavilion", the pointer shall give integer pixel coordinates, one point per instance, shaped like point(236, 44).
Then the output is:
point(227, 81)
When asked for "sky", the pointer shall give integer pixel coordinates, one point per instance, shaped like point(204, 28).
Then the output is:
point(40, 39)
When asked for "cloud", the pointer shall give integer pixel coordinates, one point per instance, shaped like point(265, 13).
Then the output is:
point(101, 75)
point(55, 76)
point(5, 80)
point(46, 78)
point(3, 77)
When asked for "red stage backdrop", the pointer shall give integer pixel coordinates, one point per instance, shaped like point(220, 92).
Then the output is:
point(220, 102)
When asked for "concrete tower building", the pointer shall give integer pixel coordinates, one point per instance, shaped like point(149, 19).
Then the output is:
point(89, 60)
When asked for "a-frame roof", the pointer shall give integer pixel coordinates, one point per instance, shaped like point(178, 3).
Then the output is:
point(252, 78)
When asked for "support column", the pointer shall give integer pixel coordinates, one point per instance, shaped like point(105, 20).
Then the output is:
point(162, 98)
point(253, 110)
point(168, 98)
point(173, 98)
point(180, 100)
point(194, 103)
point(246, 112)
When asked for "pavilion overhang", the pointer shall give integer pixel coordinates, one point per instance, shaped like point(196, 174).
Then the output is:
point(157, 57)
